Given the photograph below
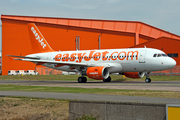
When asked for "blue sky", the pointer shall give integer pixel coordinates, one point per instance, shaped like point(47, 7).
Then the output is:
point(164, 14)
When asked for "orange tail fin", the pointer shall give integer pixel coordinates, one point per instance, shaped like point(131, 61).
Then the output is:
point(38, 42)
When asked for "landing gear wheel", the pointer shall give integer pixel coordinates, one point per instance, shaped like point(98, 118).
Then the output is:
point(107, 80)
point(148, 80)
point(82, 80)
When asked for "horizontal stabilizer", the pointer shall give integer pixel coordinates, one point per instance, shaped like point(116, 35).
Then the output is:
point(17, 59)
point(23, 57)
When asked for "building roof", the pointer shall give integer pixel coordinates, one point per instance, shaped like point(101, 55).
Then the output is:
point(110, 25)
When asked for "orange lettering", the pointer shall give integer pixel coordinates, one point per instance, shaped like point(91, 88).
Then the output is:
point(73, 57)
point(104, 55)
point(96, 56)
point(65, 57)
point(87, 58)
point(132, 54)
point(112, 56)
point(80, 56)
point(123, 56)
point(58, 57)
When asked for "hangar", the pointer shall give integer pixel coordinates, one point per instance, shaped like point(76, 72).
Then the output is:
point(62, 34)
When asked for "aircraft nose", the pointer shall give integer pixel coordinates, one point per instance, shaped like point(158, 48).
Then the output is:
point(171, 63)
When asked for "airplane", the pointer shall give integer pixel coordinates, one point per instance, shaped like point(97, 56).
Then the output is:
point(97, 64)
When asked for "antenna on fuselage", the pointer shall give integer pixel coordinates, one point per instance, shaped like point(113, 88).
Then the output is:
point(144, 46)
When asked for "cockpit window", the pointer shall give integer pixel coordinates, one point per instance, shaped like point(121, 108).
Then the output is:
point(164, 55)
point(159, 55)
point(154, 55)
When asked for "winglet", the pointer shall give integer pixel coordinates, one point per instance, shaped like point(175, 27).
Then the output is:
point(38, 42)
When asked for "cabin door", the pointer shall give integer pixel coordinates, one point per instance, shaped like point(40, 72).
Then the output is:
point(142, 56)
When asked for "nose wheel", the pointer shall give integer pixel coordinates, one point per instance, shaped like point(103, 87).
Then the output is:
point(147, 80)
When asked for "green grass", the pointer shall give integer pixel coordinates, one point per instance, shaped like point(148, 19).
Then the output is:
point(86, 117)
point(146, 93)
point(74, 78)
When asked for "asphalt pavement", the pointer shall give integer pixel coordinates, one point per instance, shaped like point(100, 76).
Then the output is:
point(91, 97)
point(134, 85)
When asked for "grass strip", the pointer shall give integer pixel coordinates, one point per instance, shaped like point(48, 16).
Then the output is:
point(145, 93)
point(75, 77)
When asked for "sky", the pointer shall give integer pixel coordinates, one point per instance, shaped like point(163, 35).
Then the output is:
point(164, 14)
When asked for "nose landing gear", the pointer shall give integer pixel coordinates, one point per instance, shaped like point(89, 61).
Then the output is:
point(147, 80)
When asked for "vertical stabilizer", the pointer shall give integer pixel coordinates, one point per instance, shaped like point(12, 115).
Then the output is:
point(38, 42)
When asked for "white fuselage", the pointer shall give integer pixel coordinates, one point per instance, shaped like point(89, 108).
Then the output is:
point(120, 60)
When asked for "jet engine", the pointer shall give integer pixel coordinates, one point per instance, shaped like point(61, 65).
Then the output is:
point(134, 74)
point(98, 73)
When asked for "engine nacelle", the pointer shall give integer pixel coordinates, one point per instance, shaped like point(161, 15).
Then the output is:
point(98, 73)
point(134, 74)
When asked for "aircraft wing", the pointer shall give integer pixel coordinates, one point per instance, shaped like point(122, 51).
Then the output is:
point(73, 65)
point(57, 62)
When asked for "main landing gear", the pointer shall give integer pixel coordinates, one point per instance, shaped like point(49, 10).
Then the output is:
point(147, 80)
point(107, 80)
point(82, 80)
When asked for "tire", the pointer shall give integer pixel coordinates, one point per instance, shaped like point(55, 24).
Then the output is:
point(148, 80)
point(80, 79)
point(84, 79)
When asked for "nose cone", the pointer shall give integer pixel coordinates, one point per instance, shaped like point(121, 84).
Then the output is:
point(171, 63)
